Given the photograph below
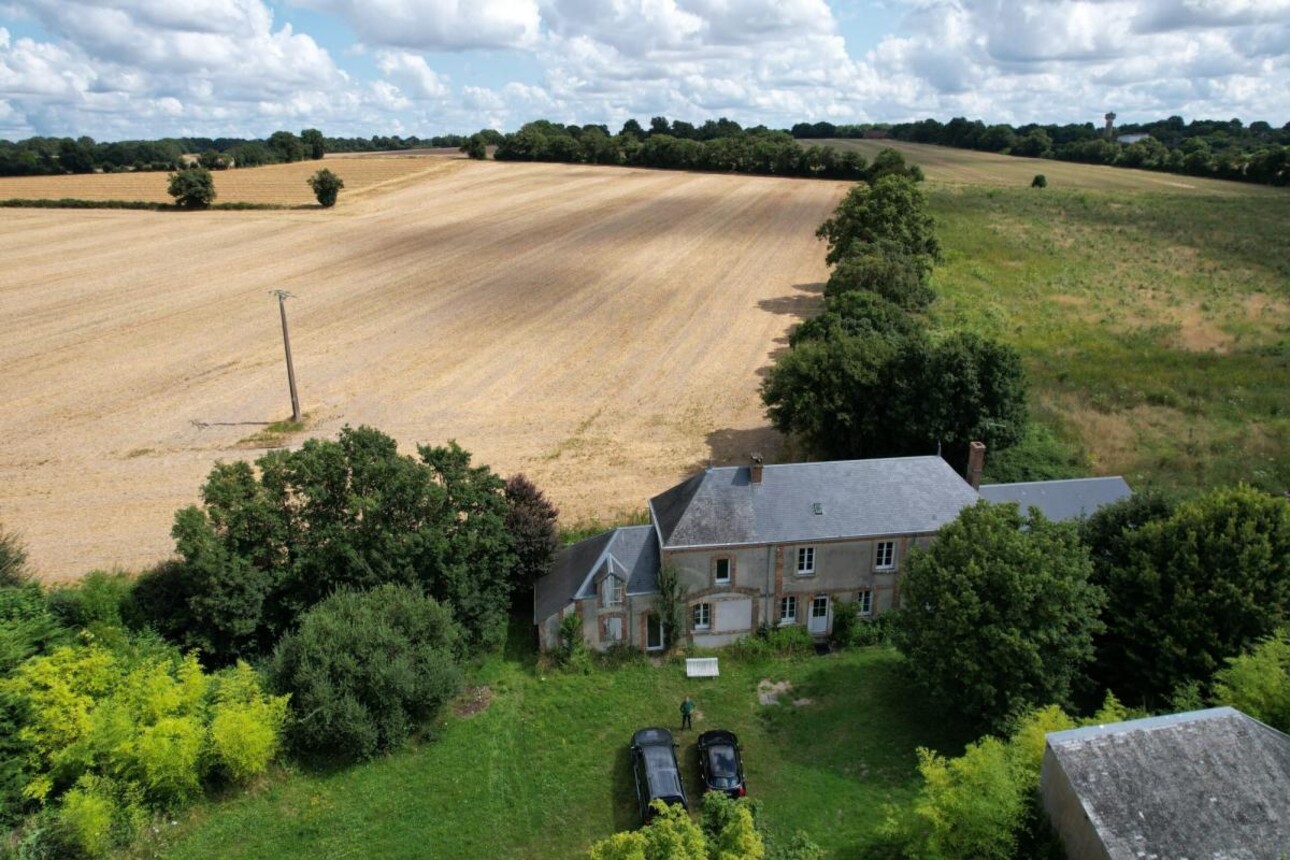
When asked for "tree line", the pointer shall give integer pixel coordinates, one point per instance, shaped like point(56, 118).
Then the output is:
point(50, 156)
point(354, 579)
point(1222, 149)
point(869, 376)
point(721, 146)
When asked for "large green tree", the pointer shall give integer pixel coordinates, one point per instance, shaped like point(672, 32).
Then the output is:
point(272, 541)
point(852, 394)
point(893, 210)
point(883, 269)
point(192, 188)
point(313, 142)
point(1191, 590)
point(998, 615)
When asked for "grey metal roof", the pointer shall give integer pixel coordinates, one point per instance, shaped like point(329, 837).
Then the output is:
point(1205, 784)
point(630, 553)
point(855, 498)
point(1061, 500)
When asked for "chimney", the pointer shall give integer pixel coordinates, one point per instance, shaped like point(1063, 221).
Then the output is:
point(976, 464)
point(755, 468)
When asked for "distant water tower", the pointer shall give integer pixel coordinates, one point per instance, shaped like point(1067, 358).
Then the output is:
point(1110, 126)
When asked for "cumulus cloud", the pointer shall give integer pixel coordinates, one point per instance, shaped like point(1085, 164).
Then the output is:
point(438, 24)
point(412, 72)
point(151, 67)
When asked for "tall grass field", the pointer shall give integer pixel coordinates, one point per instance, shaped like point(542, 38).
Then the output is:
point(1155, 327)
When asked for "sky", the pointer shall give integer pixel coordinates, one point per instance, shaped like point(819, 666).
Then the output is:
point(123, 69)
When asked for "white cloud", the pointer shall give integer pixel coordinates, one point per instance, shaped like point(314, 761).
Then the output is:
point(116, 68)
point(438, 24)
point(412, 73)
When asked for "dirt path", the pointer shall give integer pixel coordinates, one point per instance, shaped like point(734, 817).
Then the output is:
point(599, 329)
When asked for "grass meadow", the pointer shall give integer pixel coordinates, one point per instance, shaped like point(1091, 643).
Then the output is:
point(543, 770)
point(1155, 327)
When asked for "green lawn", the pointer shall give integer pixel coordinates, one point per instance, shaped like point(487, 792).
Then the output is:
point(1155, 327)
point(543, 771)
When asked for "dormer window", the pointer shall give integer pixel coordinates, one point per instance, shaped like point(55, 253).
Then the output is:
point(612, 589)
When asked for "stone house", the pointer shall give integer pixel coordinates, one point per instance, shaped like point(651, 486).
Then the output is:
point(775, 545)
point(753, 545)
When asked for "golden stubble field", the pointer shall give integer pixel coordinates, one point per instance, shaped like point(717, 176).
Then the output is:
point(281, 184)
point(599, 329)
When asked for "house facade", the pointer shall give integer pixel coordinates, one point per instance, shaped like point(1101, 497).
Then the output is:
point(754, 545)
point(774, 545)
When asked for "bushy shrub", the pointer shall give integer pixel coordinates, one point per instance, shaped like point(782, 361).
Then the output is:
point(572, 653)
point(790, 640)
point(94, 603)
point(108, 735)
point(364, 669)
point(326, 187)
point(852, 630)
point(1258, 682)
point(1040, 181)
point(192, 188)
point(13, 559)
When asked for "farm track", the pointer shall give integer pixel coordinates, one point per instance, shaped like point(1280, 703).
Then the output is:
point(600, 329)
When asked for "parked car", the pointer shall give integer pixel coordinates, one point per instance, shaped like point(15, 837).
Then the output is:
point(721, 764)
point(658, 777)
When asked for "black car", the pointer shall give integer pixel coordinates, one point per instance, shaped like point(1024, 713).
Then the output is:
point(655, 768)
point(720, 763)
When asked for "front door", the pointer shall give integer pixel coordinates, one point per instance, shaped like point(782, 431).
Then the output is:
point(819, 621)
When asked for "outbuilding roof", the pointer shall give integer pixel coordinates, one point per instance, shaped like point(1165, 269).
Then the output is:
point(1205, 784)
point(1061, 500)
point(797, 502)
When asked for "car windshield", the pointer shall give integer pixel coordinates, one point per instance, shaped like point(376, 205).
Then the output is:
point(723, 767)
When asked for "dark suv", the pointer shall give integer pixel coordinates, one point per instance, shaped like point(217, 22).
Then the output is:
point(721, 764)
point(654, 766)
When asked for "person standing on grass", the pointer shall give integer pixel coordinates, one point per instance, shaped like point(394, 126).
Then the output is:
point(687, 709)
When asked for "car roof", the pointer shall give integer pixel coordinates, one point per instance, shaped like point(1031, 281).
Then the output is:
point(654, 736)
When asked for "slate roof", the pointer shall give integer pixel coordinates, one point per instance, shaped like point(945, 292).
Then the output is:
point(630, 552)
point(1061, 500)
point(1204, 784)
point(856, 498)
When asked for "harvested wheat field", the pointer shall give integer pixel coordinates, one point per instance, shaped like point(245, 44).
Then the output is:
point(599, 329)
point(277, 184)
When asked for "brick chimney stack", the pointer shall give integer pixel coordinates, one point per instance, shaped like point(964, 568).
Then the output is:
point(755, 468)
point(976, 464)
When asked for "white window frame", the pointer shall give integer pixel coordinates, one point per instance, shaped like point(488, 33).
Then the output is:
point(622, 629)
point(864, 603)
point(885, 549)
point(806, 561)
point(786, 603)
point(717, 578)
point(614, 590)
point(701, 616)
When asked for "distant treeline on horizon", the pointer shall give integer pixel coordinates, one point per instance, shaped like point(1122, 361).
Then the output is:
point(1223, 149)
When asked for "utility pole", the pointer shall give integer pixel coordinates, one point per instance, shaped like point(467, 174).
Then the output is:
point(283, 295)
